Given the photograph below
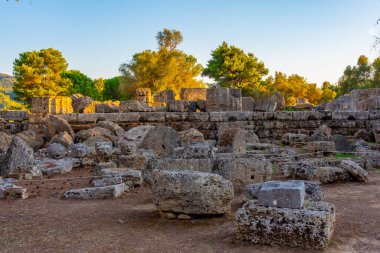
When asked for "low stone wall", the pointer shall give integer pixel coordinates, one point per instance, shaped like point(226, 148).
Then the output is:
point(13, 122)
point(266, 125)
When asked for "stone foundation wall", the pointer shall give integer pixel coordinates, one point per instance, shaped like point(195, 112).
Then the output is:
point(266, 125)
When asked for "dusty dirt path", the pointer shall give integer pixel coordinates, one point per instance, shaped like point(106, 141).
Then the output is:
point(47, 223)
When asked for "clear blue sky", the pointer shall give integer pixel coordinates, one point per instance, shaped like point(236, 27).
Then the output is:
point(313, 38)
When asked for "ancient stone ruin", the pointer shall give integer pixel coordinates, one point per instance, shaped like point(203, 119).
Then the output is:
point(199, 153)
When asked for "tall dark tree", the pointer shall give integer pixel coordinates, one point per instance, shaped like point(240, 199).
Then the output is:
point(81, 83)
point(111, 89)
point(232, 67)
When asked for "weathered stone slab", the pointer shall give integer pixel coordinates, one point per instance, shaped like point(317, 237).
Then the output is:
point(11, 191)
point(53, 166)
point(242, 171)
point(112, 191)
point(310, 227)
point(106, 181)
point(193, 193)
point(129, 176)
point(313, 192)
point(286, 194)
point(135, 161)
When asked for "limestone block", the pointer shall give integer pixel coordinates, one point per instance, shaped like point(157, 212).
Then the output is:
point(311, 227)
point(242, 171)
point(193, 193)
point(112, 191)
point(286, 194)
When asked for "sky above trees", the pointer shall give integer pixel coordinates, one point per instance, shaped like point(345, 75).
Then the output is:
point(316, 39)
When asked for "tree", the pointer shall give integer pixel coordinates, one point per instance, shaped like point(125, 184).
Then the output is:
point(167, 68)
point(328, 93)
point(81, 83)
point(111, 89)
point(232, 67)
point(296, 86)
point(363, 75)
point(38, 73)
point(99, 86)
point(169, 39)
point(376, 42)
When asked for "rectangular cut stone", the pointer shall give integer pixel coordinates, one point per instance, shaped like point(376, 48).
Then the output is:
point(70, 117)
point(310, 227)
point(262, 115)
point(112, 191)
point(230, 116)
point(129, 117)
point(282, 194)
point(199, 116)
point(283, 115)
point(176, 116)
point(152, 117)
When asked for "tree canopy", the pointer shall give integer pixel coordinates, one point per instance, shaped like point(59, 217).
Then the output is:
point(111, 89)
point(230, 66)
point(38, 73)
point(363, 75)
point(80, 83)
point(167, 68)
point(169, 39)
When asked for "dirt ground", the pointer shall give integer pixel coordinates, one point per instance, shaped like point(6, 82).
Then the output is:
point(47, 223)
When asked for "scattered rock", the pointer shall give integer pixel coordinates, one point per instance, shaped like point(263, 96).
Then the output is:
point(53, 166)
point(104, 148)
point(355, 170)
point(341, 143)
point(137, 134)
point(64, 139)
point(162, 140)
point(310, 227)
point(111, 126)
point(5, 141)
point(33, 139)
point(191, 136)
point(328, 175)
point(79, 150)
point(112, 191)
point(56, 125)
point(56, 151)
point(192, 193)
point(19, 154)
point(322, 133)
